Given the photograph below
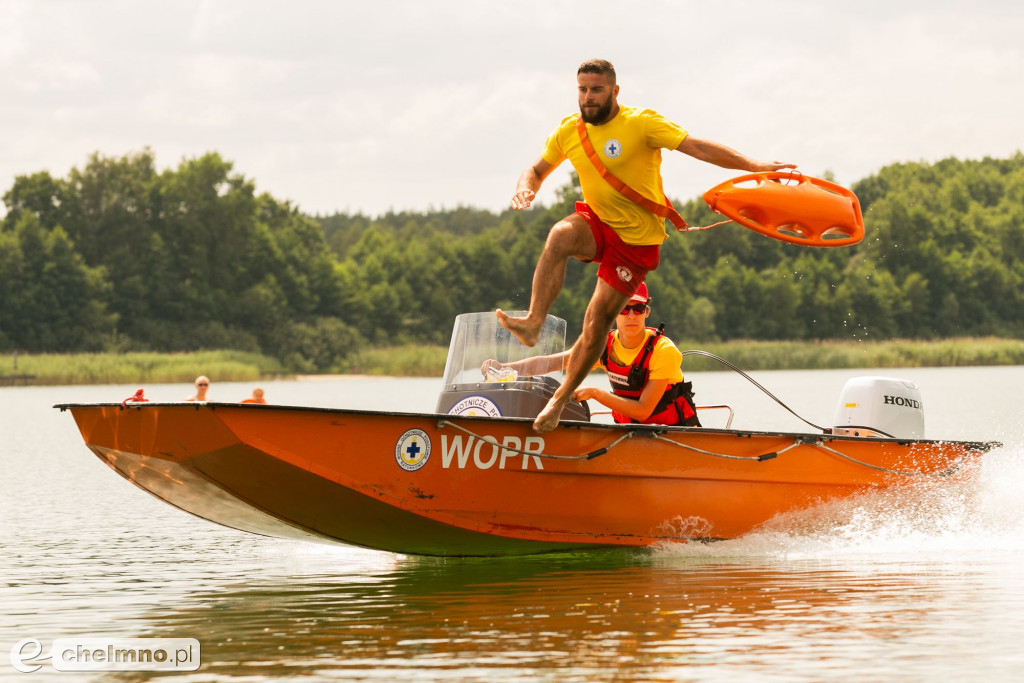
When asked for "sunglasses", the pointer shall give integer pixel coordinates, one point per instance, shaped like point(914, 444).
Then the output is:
point(639, 309)
point(202, 384)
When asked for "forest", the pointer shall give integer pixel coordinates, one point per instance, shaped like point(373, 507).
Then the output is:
point(119, 256)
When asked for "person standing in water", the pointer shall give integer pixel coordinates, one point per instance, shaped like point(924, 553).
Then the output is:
point(257, 397)
point(202, 384)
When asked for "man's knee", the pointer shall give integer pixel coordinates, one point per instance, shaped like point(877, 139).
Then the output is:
point(571, 236)
point(562, 235)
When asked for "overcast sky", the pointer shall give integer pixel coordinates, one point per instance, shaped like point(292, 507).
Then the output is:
point(387, 104)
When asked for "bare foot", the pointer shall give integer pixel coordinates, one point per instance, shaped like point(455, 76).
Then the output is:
point(524, 331)
point(548, 418)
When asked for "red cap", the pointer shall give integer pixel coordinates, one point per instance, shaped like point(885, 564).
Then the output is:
point(641, 296)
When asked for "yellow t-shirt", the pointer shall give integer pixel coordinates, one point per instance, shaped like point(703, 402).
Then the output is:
point(666, 359)
point(630, 147)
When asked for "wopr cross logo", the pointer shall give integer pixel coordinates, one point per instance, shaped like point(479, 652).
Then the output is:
point(612, 149)
point(412, 450)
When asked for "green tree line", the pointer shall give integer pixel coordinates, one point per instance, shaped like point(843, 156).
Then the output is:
point(120, 257)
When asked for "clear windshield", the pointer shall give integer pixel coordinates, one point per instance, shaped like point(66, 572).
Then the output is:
point(478, 337)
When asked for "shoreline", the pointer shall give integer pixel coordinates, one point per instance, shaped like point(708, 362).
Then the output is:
point(328, 377)
point(411, 361)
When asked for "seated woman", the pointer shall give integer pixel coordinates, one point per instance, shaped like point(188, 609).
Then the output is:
point(643, 366)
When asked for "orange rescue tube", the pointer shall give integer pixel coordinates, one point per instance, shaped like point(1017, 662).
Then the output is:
point(791, 207)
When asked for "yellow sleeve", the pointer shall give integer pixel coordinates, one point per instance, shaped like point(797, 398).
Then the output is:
point(660, 132)
point(666, 361)
point(554, 147)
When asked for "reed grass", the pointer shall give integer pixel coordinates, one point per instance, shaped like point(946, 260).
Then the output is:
point(896, 353)
point(130, 368)
point(409, 360)
point(428, 361)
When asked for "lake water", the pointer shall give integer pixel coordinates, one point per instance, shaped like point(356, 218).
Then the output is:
point(916, 588)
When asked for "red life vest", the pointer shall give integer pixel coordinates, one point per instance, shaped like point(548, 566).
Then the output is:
point(628, 381)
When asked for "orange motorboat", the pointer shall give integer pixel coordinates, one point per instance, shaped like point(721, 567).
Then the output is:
point(474, 479)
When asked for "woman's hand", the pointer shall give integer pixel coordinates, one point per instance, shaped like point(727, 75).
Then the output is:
point(490, 364)
point(586, 393)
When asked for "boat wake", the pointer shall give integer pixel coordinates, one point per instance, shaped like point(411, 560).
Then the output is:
point(930, 518)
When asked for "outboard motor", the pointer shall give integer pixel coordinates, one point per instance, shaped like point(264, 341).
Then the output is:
point(478, 337)
point(880, 406)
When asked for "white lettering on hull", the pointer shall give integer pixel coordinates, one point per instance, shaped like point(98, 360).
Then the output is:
point(486, 452)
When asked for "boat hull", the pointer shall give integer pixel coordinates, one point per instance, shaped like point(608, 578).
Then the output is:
point(443, 485)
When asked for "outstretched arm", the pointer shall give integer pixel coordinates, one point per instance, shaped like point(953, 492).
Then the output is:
point(638, 409)
point(720, 155)
point(536, 365)
point(529, 182)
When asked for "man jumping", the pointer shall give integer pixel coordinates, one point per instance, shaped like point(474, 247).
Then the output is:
point(616, 151)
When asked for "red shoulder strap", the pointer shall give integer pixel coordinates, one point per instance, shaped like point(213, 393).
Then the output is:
point(665, 210)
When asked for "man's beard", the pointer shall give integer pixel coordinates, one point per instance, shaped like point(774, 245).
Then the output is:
point(599, 116)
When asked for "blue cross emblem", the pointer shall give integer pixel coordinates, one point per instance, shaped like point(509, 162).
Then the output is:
point(612, 148)
point(412, 450)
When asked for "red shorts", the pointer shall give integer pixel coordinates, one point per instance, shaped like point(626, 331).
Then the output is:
point(623, 266)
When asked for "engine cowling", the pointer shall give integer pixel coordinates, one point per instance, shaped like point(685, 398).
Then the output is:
point(880, 406)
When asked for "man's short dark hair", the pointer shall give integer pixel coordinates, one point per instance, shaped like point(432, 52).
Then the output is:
point(598, 66)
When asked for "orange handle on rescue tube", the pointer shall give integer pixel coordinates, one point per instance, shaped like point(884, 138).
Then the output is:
point(791, 207)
